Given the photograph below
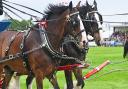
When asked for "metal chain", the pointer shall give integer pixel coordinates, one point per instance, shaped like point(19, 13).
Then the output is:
point(56, 55)
point(17, 55)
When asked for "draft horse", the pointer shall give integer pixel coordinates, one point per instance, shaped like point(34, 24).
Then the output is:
point(87, 13)
point(75, 38)
point(41, 61)
point(93, 29)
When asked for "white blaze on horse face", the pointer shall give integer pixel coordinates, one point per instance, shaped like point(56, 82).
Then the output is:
point(98, 21)
point(84, 36)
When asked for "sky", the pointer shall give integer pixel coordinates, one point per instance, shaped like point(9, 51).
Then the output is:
point(105, 7)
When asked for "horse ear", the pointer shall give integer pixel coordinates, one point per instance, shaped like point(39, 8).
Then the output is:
point(94, 5)
point(1, 7)
point(87, 3)
point(78, 5)
point(70, 6)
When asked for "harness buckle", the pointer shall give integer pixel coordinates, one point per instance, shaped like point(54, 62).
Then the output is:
point(24, 64)
point(21, 46)
point(11, 56)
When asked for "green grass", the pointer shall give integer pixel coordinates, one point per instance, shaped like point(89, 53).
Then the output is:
point(96, 56)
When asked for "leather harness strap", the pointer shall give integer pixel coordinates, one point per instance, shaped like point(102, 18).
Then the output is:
point(23, 49)
point(11, 41)
point(25, 56)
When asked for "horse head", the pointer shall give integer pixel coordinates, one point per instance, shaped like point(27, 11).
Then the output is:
point(73, 45)
point(62, 21)
point(57, 17)
point(92, 20)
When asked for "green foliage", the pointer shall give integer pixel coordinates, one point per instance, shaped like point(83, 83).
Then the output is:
point(20, 25)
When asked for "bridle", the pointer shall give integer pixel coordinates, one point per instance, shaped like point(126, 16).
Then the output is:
point(76, 41)
point(74, 38)
point(88, 21)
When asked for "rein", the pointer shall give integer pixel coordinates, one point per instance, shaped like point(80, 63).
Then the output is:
point(87, 19)
point(25, 7)
point(20, 10)
point(44, 45)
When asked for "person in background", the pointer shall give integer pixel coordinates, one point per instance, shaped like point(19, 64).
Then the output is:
point(125, 47)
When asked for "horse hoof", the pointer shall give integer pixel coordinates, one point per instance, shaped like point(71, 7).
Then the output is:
point(76, 87)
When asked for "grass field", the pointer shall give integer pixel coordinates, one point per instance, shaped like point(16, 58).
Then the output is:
point(97, 55)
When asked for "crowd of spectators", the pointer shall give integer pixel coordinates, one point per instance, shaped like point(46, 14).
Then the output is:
point(116, 39)
point(118, 36)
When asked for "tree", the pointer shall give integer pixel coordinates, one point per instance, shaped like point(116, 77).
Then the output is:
point(20, 25)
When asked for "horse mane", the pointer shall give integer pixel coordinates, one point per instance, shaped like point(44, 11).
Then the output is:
point(54, 10)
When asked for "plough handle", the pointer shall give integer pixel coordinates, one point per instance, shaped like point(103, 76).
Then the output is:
point(95, 70)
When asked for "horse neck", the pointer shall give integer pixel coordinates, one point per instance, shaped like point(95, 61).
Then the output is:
point(57, 29)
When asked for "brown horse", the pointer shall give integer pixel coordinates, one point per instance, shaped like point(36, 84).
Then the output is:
point(87, 12)
point(92, 28)
point(43, 67)
point(74, 26)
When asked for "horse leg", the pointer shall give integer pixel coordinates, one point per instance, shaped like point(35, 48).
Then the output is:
point(53, 81)
point(7, 78)
point(29, 81)
point(69, 80)
point(39, 80)
point(78, 75)
point(15, 83)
